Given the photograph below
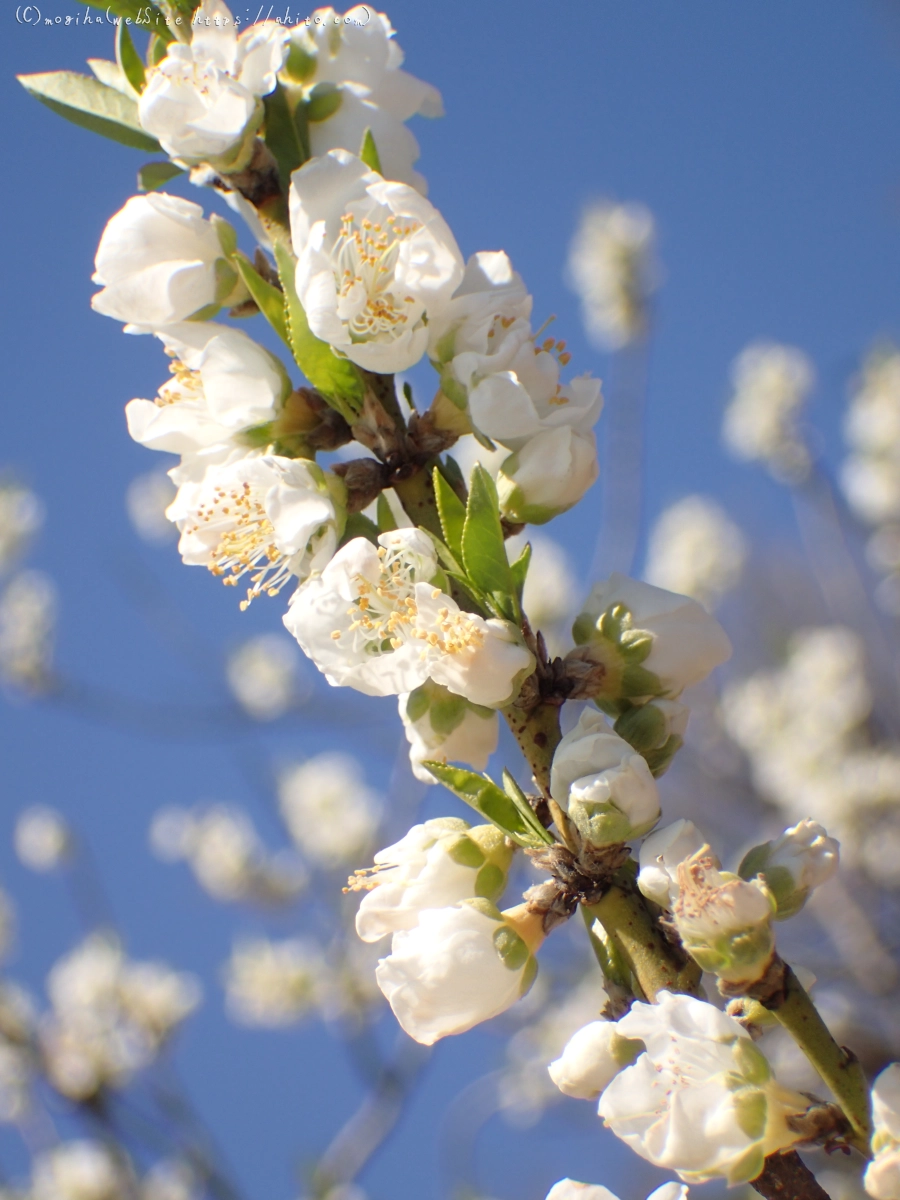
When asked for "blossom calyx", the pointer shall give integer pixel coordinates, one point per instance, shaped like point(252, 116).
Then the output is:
point(606, 789)
point(650, 642)
point(725, 922)
point(801, 859)
point(656, 730)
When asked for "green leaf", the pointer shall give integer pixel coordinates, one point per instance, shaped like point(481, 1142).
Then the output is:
point(385, 514)
point(452, 512)
point(483, 548)
point(111, 74)
point(143, 15)
point(282, 137)
point(128, 59)
point(301, 124)
point(519, 569)
point(338, 379)
point(88, 102)
point(155, 175)
point(268, 298)
point(359, 526)
point(491, 802)
point(369, 152)
point(527, 813)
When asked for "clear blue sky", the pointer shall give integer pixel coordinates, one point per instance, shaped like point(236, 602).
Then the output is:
point(764, 138)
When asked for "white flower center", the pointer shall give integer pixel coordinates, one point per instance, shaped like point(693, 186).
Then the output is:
point(366, 254)
point(455, 633)
point(185, 384)
point(246, 544)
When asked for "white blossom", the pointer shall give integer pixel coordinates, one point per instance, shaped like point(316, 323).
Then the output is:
point(434, 865)
point(170, 1179)
point(222, 384)
point(16, 1075)
point(724, 921)
point(42, 838)
point(27, 624)
point(376, 262)
point(591, 1059)
point(687, 643)
point(110, 1016)
point(146, 500)
point(328, 808)
point(443, 727)
point(613, 271)
point(263, 675)
point(80, 1170)
point(458, 967)
point(273, 984)
point(695, 549)
point(372, 621)
point(226, 855)
point(267, 517)
point(701, 1101)
point(771, 384)
point(802, 858)
point(548, 475)
point(159, 262)
point(660, 856)
point(349, 68)
point(605, 787)
point(882, 1177)
point(21, 516)
point(202, 100)
point(570, 1189)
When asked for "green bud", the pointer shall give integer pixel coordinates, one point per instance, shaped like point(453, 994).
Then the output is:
point(644, 728)
point(300, 64)
point(324, 101)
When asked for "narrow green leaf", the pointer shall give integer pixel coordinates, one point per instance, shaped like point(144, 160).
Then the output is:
point(452, 512)
point(155, 175)
point(369, 152)
point(268, 298)
point(490, 801)
point(143, 15)
point(483, 548)
point(527, 813)
point(282, 137)
point(519, 569)
point(111, 74)
point(337, 379)
point(128, 59)
point(88, 102)
point(386, 520)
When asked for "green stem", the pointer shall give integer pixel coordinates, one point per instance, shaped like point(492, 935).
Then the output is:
point(839, 1069)
point(417, 497)
point(538, 735)
point(654, 965)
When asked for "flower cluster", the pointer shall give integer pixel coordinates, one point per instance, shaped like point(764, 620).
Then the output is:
point(771, 384)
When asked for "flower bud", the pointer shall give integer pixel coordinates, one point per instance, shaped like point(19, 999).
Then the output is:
point(801, 859)
point(549, 474)
point(882, 1178)
point(725, 922)
point(660, 856)
point(656, 731)
point(649, 641)
point(161, 262)
point(435, 865)
point(458, 967)
point(445, 727)
point(591, 1059)
point(605, 787)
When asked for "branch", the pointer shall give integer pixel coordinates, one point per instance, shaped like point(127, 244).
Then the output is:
point(787, 1177)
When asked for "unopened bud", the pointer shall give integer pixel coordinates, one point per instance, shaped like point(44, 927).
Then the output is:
point(801, 859)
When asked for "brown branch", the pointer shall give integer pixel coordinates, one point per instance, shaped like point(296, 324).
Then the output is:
point(787, 1177)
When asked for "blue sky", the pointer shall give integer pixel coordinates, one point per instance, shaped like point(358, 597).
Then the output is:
point(763, 137)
